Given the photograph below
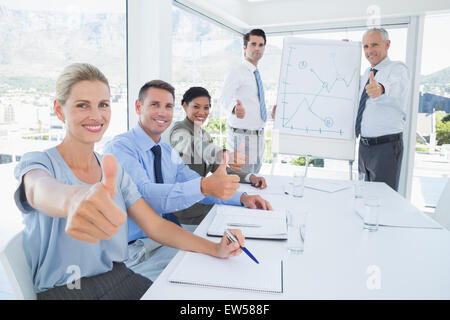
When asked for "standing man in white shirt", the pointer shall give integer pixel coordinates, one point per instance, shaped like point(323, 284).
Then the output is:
point(382, 111)
point(243, 98)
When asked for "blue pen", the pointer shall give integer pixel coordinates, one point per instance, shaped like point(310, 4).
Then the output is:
point(232, 238)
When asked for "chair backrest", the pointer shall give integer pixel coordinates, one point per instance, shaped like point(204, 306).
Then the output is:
point(442, 212)
point(16, 267)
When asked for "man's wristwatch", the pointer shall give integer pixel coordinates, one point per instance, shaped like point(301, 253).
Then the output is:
point(242, 195)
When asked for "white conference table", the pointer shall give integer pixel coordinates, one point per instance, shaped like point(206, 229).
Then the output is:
point(341, 260)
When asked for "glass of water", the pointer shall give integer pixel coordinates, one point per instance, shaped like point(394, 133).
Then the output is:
point(371, 213)
point(358, 183)
point(298, 185)
point(296, 231)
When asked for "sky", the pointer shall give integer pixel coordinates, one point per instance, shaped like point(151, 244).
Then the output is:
point(436, 47)
point(435, 52)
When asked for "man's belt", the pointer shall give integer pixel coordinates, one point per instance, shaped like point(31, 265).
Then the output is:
point(247, 131)
point(382, 139)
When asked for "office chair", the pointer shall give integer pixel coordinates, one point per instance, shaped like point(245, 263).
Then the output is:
point(442, 212)
point(13, 259)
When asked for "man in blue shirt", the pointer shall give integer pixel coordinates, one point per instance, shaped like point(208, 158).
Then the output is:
point(165, 182)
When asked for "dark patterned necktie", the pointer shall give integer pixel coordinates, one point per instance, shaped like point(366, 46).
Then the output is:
point(159, 179)
point(362, 105)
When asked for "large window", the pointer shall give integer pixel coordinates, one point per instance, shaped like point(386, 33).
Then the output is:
point(432, 157)
point(37, 40)
point(203, 53)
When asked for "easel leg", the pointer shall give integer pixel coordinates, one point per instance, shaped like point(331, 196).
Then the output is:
point(307, 165)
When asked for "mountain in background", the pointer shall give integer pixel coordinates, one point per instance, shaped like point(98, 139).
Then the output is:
point(39, 44)
point(437, 83)
point(36, 45)
point(438, 77)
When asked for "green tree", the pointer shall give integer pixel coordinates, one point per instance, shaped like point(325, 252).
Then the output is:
point(214, 125)
point(446, 118)
point(443, 132)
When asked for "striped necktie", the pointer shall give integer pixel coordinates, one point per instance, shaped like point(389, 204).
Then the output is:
point(262, 103)
point(362, 105)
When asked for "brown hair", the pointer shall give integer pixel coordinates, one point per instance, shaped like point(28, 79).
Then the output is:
point(159, 84)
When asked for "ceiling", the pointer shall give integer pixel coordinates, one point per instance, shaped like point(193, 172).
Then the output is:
point(279, 15)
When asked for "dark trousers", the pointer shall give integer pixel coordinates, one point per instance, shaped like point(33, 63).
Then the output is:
point(381, 162)
point(120, 283)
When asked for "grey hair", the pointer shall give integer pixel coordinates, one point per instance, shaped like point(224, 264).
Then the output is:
point(73, 74)
point(382, 31)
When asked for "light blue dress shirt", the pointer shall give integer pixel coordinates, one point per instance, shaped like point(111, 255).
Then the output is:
point(54, 257)
point(386, 114)
point(181, 188)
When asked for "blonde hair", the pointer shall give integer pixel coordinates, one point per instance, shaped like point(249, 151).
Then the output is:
point(73, 74)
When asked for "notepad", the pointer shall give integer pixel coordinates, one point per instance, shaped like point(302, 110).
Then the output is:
point(254, 224)
point(240, 273)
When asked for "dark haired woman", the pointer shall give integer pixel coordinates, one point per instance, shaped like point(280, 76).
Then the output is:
point(198, 151)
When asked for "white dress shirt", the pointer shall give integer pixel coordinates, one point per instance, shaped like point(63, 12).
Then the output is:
point(240, 84)
point(386, 114)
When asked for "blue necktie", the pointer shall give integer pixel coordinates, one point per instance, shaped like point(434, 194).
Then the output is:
point(262, 103)
point(362, 105)
point(159, 179)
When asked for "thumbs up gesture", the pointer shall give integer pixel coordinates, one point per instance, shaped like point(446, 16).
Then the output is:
point(220, 184)
point(374, 89)
point(239, 110)
point(238, 158)
point(92, 214)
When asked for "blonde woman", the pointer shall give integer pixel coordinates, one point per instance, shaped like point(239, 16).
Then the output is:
point(75, 204)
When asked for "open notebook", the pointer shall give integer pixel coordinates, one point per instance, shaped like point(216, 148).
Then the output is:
point(256, 224)
point(239, 272)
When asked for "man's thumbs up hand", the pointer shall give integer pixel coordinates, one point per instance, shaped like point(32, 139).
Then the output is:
point(239, 110)
point(374, 89)
point(238, 158)
point(222, 168)
point(372, 78)
point(220, 184)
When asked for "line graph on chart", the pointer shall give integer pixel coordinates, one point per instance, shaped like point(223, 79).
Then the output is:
point(317, 90)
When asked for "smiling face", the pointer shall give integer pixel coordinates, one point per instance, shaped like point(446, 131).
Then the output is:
point(375, 47)
point(254, 49)
point(197, 111)
point(86, 112)
point(155, 112)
